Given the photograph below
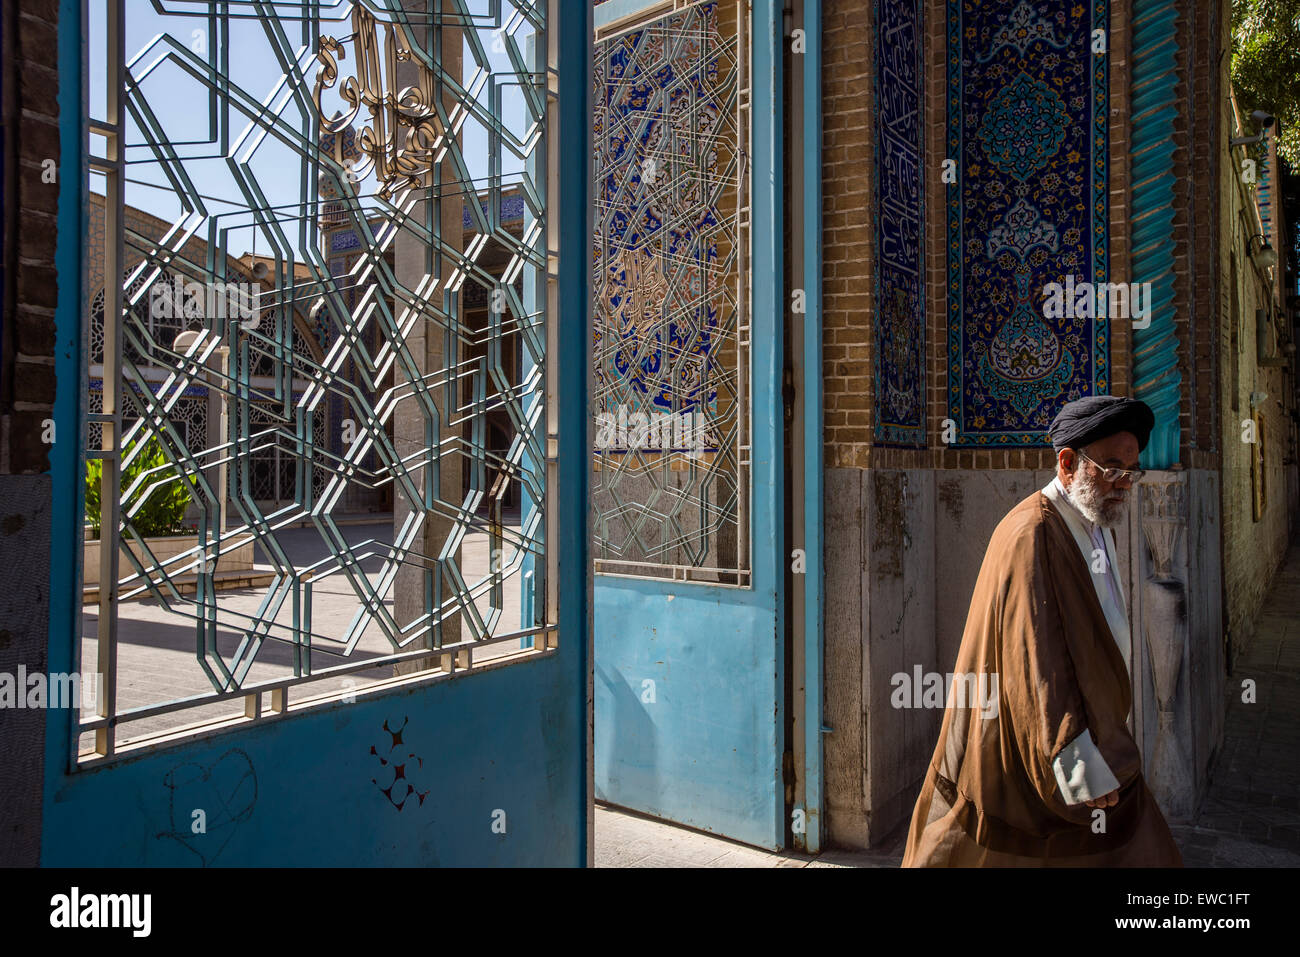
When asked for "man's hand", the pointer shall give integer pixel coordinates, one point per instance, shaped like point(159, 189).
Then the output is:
point(1106, 800)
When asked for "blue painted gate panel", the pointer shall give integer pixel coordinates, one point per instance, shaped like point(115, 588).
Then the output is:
point(308, 790)
point(702, 745)
point(689, 676)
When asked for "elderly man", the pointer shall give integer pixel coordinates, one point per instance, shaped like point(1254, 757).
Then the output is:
point(1052, 775)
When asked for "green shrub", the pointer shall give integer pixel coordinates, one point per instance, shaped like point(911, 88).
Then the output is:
point(1266, 68)
point(163, 510)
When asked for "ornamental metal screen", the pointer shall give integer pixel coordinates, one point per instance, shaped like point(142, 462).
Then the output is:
point(321, 277)
point(670, 473)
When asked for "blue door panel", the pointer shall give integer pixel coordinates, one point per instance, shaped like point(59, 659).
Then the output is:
point(706, 751)
point(699, 744)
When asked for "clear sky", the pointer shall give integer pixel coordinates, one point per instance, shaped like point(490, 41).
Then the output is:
point(179, 101)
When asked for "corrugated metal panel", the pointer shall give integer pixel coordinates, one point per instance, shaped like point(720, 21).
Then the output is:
point(1156, 379)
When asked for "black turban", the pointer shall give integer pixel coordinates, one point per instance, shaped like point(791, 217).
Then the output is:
point(1097, 416)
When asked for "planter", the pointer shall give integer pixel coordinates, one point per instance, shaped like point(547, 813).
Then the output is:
point(171, 552)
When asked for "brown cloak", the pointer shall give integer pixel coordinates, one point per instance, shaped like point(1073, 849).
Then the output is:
point(990, 796)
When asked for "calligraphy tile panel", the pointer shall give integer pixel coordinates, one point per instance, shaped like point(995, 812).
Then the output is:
point(1026, 123)
point(899, 366)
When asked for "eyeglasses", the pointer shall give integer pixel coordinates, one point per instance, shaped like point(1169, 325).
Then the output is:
point(1114, 474)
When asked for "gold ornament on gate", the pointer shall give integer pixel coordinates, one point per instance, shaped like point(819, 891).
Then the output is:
point(405, 131)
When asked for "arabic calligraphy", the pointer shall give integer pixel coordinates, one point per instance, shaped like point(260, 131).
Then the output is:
point(406, 131)
point(642, 289)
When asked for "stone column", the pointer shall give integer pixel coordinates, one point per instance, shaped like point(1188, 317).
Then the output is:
point(421, 583)
point(1162, 576)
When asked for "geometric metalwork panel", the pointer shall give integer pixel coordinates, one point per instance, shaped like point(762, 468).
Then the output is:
point(303, 234)
point(1027, 127)
point(670, 481)
point(899, 213)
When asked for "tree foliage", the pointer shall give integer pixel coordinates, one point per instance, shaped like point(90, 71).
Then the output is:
point(1266, 67)
point(166, 495)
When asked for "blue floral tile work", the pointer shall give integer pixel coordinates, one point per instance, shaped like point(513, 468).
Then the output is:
point(1026, 124)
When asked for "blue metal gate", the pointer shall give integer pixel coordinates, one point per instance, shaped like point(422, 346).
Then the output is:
point(305, 683)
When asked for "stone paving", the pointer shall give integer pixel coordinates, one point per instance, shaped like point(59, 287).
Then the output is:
point(627, 839)
point(1251, 815)
point(156, 644)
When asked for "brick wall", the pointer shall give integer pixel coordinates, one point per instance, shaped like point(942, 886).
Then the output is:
point(848, 242)
point(31, 136)
point(1253, 548)
point(29, 113)
point(847, 292)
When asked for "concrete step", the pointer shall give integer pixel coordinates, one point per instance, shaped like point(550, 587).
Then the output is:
point(187, 584)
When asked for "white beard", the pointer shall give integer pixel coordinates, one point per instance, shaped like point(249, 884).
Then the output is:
point(1085, 495)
